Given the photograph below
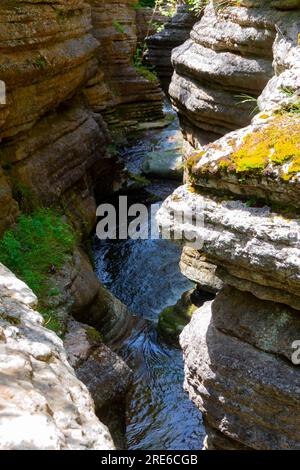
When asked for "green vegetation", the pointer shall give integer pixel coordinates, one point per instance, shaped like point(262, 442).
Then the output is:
point(37, 247)
point(93, 335)
point(41, 62)
point(142, 69)
point(173, 319)
point(120, 28)
point(294, 106)
point(243, 98)
point(276, 144)
point(147, 3)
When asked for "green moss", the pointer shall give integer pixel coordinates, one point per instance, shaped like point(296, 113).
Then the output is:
point(145, 72)
point(174, 318)
point(193, 159)
point(93, 335)
point(119, 27)
point(276, 143)
point(36, 247)
point(41, 62)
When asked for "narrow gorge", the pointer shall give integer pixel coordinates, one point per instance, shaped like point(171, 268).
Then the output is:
point(182, 342)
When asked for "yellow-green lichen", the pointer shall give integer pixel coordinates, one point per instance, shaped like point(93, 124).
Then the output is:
point(193, 159)
point(276, 143)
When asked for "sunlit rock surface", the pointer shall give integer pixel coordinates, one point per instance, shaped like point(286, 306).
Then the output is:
point(43, 404)
point(226, 63)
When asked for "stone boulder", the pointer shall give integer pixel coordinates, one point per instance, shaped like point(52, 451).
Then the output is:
point(43, 404)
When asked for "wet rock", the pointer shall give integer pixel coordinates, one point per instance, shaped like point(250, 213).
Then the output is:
point(173, 319)
point(82, 295)
point(165, 164)
point(105, 374)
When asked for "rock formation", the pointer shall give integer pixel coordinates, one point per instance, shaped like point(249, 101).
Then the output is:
point(63, 64)
point(161, 44)
point(240, 350)
point(147, 21)
point(68, 71)
point(131, 97)
point(226, 57)
point(43, 404)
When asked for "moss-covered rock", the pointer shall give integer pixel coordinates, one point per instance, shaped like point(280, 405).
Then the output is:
point(174, 318)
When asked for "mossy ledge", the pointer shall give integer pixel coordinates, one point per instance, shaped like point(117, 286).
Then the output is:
point(272, 151)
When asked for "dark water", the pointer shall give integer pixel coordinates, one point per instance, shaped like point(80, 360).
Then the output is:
point(144, 274)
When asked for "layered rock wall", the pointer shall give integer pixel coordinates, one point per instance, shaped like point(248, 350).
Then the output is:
point(240, 350)
point(65, 64)
point(221, 69)
point(130, 97)
point(161, 44)
point(54, 152)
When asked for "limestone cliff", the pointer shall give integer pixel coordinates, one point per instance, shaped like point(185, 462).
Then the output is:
point(129, 96)
point(63, 64)
point(239, 365)
point(161, 44)
point(226, 57)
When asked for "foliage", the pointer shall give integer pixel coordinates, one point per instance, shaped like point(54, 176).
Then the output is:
point(243, 98)
point(38, 245)
point(120, 28)
point(139, 65)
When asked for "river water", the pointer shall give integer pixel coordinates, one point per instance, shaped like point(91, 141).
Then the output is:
point(144, 274)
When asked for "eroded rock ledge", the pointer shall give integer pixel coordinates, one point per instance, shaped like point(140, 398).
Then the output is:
point(228, 55)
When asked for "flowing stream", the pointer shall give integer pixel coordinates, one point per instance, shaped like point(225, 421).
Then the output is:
point(144, 274)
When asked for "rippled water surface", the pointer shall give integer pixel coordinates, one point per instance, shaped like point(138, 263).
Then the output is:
point(144, 274)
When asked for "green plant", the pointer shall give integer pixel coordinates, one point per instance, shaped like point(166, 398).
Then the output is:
point(294, 106)
point(144, 70)
point(41, 62)
point(38, 245)
point(120, 28)
point(243, 98)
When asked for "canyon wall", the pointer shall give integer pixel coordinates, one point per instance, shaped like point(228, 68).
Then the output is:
point(67, 66)
point(68, 70)
point(161, 44)
point(225, 58)
point(240, 350)
point(130, 96)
